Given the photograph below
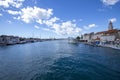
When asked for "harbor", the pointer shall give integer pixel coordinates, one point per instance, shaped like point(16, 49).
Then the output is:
point(59, 39)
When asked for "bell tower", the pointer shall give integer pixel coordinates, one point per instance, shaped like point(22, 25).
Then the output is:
point(110, 26)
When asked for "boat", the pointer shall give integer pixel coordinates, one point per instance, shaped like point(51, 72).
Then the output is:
point(72, 40)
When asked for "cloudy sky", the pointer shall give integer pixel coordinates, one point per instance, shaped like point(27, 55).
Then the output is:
point(57, 18)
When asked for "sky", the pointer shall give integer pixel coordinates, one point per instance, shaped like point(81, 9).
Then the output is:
point(57, 18)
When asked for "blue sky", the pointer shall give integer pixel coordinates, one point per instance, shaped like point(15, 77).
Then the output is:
point(57, 18)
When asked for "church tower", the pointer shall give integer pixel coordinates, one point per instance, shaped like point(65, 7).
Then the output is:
point(110, 27)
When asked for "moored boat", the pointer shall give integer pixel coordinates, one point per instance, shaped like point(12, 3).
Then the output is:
point(72, 40)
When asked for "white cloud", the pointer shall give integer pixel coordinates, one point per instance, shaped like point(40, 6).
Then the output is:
point(0, 14)
point(110, 2)
point(13, 3)
point(46, 29)
point(66, 28)
point(51, 21)
point(30, 14)
point(9, 21)
point(37, 27)
point(39, 21)
point(17, 18)
point(90, 26)
point(14, 12)
point(61, 28)
point(35, 13)
point(44, 16)
point(113, 19)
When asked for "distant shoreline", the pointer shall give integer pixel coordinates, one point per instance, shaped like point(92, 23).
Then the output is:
point(12, 40)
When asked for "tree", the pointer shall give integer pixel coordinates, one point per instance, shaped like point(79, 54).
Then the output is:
point(78, 38)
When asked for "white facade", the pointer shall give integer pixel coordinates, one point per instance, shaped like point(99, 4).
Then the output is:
point(86, 37)
point(97, 36)
point(9, 40)
point(108, 38)
point(102, 37)
point(13, 40)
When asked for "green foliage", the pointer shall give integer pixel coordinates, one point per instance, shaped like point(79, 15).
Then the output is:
point(78, 38)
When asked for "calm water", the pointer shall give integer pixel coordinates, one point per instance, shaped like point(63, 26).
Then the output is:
point(58, 60)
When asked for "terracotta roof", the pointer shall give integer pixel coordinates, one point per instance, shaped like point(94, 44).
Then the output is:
point(101, 32)
point(97, 38)
point(108, 32)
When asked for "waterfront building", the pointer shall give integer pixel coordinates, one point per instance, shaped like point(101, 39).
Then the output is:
point(109, 38)
point(109, 35)
point(88, 37)
point(1, 40)
point(4, 39)
point(8, 40)
point(12, 40)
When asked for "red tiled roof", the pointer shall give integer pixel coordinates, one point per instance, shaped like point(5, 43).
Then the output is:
point(108, 32)
point(101, 32)
point(97, 38)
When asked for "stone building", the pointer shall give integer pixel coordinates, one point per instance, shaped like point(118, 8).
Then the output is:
point(7, 40)
point(88, 37)
point(104, 36)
